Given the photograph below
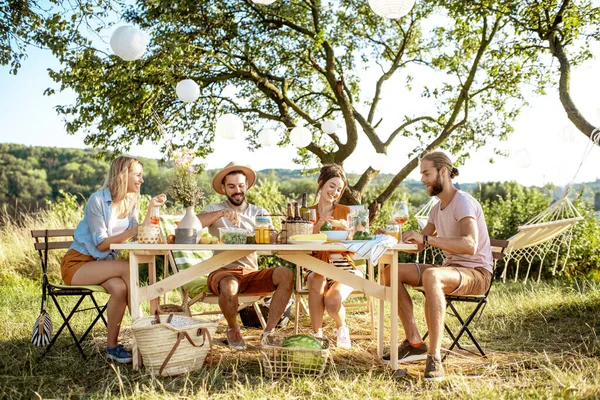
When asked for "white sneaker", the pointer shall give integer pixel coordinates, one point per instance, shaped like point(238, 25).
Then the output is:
point(343, 337)
point(318, 334)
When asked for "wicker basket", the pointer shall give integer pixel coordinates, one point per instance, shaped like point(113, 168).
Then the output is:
point(292, 228)
point(175, 344)
point(280, 361)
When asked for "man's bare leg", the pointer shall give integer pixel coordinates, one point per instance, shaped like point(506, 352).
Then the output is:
point(283, 279)
point(228, 300)
point(407, 274)
point(436, 282)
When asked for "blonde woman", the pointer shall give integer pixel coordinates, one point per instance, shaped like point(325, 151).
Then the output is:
point(110, 216)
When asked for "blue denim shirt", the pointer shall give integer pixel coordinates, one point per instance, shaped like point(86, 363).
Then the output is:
point(94, 228)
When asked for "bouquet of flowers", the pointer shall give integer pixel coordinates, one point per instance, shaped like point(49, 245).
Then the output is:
point(184, 187)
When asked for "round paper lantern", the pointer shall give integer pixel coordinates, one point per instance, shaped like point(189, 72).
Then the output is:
point(229, 126)
point(521, 158)
point(566, 134)
point(128, 42)
point(188, 90)
point(300, 136)
point(267, 138)
point(392, 9)
point(379, 161)
point(329, 126)
point(266, 2)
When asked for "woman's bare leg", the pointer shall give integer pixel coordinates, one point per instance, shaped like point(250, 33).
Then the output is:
point(113, 275)
point(316, 291)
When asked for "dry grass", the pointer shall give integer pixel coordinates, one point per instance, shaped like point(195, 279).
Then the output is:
point(541, 341)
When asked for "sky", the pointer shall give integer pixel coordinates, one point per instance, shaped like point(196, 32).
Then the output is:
point(545, 147)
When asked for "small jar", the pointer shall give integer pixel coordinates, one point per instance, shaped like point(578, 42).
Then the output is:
point(262, 233)
point(392, 228)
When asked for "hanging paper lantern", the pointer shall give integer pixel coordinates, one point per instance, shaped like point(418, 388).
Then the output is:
point(267, 138)
point(188, 90)
point(329, 126)
point(229, 126)
point(379, 161)
point(265, 2)
point(128, 42)
point(300, 136)
point(391, 9)
point(566, 134)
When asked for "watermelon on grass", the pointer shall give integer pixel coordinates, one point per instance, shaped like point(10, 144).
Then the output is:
point(304, 361)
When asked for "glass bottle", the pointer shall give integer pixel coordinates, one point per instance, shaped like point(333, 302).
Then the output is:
point(297, 216)
point(290, 216)
point(304, 213)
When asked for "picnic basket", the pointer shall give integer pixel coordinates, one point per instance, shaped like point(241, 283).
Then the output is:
point(173, 344)
point(279, 361)
point(292, 228)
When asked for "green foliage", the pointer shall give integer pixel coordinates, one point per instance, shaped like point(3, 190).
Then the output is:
point(66, 208)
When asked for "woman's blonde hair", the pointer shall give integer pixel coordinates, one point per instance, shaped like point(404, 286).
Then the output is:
point(116, 181)
point(441, 160)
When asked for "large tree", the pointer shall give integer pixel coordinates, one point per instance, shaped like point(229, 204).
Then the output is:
point(301, 61)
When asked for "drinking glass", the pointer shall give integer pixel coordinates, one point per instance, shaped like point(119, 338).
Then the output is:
point(313, 215)
point(400, 215)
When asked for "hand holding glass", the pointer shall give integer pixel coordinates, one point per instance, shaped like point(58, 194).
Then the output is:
point(400, 215)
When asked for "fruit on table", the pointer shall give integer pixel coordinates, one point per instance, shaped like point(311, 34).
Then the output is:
point(304, 361)
point(207, 238)
point(362, 235)
point(326, 226)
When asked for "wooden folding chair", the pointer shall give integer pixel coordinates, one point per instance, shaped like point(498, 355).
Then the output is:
point(480, 301)
point(45, 240)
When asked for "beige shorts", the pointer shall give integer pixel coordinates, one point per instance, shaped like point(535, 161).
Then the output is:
point(472, 280)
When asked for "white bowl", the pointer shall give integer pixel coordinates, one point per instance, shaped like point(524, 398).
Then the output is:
point(333, 236)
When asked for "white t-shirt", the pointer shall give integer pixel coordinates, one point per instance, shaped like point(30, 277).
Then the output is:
point(118, 225)
point(246, 222)
point(446, 220)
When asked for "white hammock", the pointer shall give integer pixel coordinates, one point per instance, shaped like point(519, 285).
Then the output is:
point(546, 233)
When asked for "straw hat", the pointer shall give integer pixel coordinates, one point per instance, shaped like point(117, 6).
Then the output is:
point(217, 182)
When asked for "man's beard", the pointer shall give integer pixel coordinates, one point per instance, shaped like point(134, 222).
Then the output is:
point(436, 187)
point(235, 202)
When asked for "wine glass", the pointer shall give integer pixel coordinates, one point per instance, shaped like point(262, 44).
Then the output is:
point(312, 215)
point(400, 215)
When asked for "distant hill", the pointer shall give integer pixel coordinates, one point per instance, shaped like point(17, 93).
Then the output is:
point(29, 175)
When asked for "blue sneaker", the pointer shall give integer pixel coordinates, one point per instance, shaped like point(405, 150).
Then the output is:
point(118, 354)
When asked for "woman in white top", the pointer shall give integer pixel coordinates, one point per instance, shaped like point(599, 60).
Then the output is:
point(110, 216)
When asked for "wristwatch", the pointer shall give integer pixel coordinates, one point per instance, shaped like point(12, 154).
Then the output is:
point(425, 240)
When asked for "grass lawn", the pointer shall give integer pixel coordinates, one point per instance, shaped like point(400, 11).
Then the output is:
point(541, 341)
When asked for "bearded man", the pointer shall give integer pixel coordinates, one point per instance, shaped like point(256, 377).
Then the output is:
point(243, 275)
point(456, 225)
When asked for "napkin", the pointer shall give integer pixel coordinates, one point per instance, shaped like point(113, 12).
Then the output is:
point(371, 249)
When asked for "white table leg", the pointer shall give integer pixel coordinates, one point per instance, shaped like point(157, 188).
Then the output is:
point(394, 311)
point(134, 305)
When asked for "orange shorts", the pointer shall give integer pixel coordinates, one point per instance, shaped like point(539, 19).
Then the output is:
point(71, 262)
point(250, 281)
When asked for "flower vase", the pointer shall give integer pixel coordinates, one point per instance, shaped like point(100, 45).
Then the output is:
point(189, 229)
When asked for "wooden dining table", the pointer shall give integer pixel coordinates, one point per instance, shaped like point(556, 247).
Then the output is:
point(298, 254)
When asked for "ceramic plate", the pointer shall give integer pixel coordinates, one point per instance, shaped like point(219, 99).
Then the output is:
point(306, 241)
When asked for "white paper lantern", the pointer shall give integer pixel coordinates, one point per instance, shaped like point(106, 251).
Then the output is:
point(300, 136)
point(566, 134)
point(188, 90)
point(128, 42)
point(329, 126)
point(379, 161)
point(391, 9)
point(267, 138)
point(229, 126)
point(265, 2)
